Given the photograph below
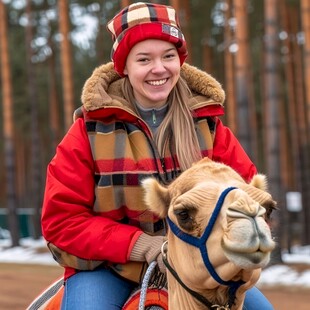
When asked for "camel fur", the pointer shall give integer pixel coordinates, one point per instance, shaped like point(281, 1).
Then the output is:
point(239, 245)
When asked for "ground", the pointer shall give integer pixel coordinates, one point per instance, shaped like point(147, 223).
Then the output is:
point(20, 284)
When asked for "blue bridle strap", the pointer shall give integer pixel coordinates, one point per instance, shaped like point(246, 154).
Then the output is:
point(201, 242)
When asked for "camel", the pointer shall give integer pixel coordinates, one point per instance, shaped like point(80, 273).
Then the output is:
point(217, 242)
point(218, 238)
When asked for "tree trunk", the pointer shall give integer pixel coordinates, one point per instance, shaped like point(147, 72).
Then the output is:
point(305, 18)
point(183, 10)
point(175, 4)
point(272, 115)
point(36, 180)
point(292, 169)
point(246, 131)
point(100, 43)
point(125, 3)
point(8, 129)
point(54, 106)
point(66, 55)
point(231, 106)
point(185, 25)
point(207, 60)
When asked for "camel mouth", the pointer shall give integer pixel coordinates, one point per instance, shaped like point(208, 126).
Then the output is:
point(253, 260)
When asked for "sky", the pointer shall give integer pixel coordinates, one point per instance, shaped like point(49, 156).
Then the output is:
point(284, 275)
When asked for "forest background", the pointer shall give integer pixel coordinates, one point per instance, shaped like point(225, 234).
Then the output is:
point(259, 50)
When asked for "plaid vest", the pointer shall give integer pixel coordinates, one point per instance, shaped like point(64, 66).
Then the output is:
point(124, 154)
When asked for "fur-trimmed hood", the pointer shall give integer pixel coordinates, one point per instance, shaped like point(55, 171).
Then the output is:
point(103, 88)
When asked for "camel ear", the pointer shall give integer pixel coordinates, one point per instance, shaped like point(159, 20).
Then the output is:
point(258, 190)
point(260, 181)
point(156, 197)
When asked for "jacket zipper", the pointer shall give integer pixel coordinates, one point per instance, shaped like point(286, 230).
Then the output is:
point(155, 153)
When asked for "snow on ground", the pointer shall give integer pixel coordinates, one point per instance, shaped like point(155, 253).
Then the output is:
point(30, 251)
point(286, 275)
point(33, 251)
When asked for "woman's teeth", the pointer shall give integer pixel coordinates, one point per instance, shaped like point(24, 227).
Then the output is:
point(158, 82)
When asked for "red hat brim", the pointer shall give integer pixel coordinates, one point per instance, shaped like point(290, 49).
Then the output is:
point(144, 32)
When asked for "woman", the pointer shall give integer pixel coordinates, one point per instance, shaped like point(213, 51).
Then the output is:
point(142, 115)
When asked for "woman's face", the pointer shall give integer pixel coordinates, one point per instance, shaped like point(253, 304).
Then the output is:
point(153, 69)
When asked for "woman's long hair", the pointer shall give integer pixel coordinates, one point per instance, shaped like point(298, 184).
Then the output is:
point(177, 129)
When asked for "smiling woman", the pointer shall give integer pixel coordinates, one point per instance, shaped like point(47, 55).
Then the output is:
point(146, 113)
point(153, 73)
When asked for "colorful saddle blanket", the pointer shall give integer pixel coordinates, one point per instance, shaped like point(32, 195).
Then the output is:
point(147, 297)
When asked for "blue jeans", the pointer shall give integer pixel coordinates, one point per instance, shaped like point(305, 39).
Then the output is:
point(102, 289)
point(255, 300)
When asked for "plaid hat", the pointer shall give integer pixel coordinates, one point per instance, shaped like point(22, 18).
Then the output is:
point(141, 21)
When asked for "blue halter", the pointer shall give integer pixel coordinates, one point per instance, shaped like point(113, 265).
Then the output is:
point(201, 242)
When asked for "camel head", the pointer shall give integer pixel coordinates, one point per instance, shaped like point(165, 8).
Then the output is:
point(218, 232)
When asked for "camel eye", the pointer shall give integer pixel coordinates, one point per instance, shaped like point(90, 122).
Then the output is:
point(269, 206)
point(182, 215)
point(185, 218)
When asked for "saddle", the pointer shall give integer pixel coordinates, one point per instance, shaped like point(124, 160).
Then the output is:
point(149, 296)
